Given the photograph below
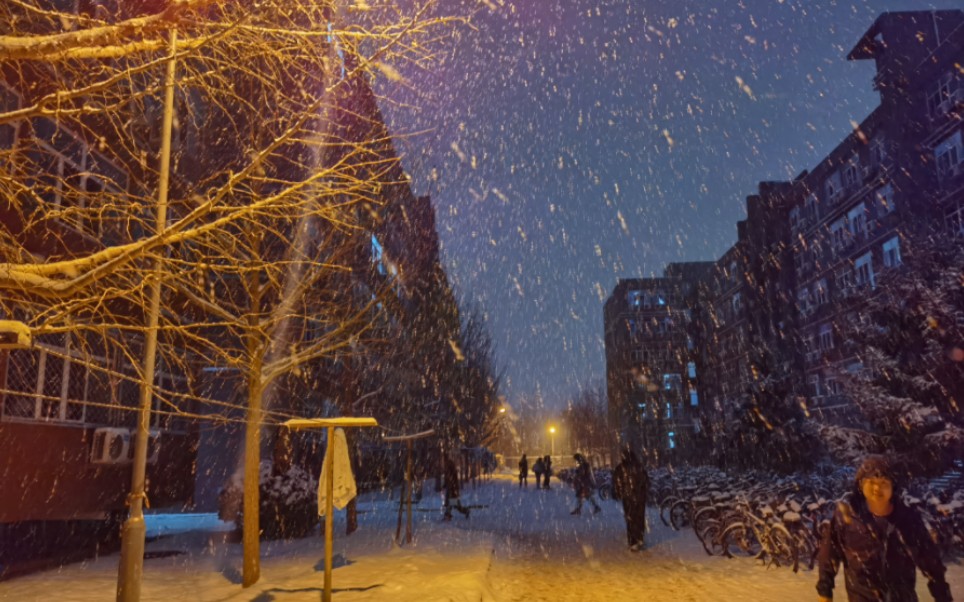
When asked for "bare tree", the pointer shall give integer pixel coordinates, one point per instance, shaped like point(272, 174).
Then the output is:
point(280, 161)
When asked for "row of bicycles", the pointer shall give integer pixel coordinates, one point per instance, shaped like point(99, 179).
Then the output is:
point(780, 520)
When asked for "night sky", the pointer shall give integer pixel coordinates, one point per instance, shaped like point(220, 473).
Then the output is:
point(567, 145)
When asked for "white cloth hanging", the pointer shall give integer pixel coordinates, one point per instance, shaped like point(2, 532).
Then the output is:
point(343, 486)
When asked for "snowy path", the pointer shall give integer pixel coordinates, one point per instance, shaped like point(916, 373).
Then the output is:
point(584, 558)
point(518, 545)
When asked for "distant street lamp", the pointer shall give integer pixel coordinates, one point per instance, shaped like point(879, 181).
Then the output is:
point(552, 440)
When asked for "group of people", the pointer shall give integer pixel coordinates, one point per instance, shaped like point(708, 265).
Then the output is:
point(542, 468)
point(879, 541)
point(630, 485)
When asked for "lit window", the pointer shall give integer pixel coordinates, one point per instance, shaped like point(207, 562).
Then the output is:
point(694, 398)
point(671, 439)
point(691, 369)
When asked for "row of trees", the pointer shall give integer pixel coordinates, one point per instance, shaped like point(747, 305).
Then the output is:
point(208, 174)
point(906, 338)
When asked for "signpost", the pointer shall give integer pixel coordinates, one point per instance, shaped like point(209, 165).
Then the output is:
point(330, 424)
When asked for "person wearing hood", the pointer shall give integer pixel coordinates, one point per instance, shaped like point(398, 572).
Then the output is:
point(584, 483)
point(631, 486)
point(452, 489)
point(880, 541)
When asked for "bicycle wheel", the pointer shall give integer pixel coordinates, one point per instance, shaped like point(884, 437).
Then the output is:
point(702, 517)
point(664, 507)
point(806, 550)
point(711, 538)
point(679, 514)
point(780, 546)
point(738, 540)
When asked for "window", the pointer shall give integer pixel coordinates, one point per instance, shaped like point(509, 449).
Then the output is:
point(878, 151)
point(857, 219)
point(672, 382)
point(795, 220)
point(864, 270)
point(851, 172)
point(634, 298)
point(669, 410)
point(892, 252)
point(820, 293)
point(691, 369)
point(825, 338)
point(378, 252)
point(845, 282)
point(803, 300)
point(949, 156)
point(46, 383)
point(737, 304)
point(832, 187)
point(813, 385)
point(955, 220)
point(884, 200)
point(671, 439)
point(694, 397)
point(811, 208)
point(838, 234)
point(940, 96)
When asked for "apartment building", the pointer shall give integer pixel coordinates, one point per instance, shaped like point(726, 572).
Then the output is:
point(652, 370)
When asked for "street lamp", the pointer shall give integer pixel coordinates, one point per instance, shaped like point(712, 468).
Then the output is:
point(552, 440)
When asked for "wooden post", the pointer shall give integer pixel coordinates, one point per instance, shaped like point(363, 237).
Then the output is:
point(408, 483)
point(329, 509)
point(407, 498)
point(330, 424)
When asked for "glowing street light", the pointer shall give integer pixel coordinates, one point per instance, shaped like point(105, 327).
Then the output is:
point(552, 440)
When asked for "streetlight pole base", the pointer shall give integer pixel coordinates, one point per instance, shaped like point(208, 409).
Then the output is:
point(131, 564)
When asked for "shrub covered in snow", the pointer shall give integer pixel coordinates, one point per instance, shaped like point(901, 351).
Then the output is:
point(288, 502)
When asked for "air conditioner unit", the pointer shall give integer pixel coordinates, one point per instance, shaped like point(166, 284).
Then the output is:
point(153, 446)
point(111, 446)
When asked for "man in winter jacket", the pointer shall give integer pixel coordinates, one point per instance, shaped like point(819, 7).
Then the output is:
point(631, 485)
point(538, 468)
point(880, 541)
point(584, 483)
point(452, 491)
point(524, 471)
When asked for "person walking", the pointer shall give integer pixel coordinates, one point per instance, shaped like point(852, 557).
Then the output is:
point(538, 468)
point(584, 483)
point(523, 472)
point(547, 461)
point(880, 541)
point(631, 486)
point(452, 490)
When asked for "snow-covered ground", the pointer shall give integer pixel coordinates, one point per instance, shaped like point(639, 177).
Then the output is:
point(517, 545)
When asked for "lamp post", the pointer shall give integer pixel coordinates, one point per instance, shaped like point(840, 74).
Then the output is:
point(552, 441)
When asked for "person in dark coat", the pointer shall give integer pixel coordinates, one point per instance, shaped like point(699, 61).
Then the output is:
point(538, 468)
point(584, 483)
point(880, 541)
point(547, 465)
point(452, 490)
point(523, 472)
point(631, 486)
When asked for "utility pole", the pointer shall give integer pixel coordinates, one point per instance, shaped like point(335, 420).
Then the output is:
point(131, 563)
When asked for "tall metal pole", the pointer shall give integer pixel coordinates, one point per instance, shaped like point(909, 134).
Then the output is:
point(131, 564)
